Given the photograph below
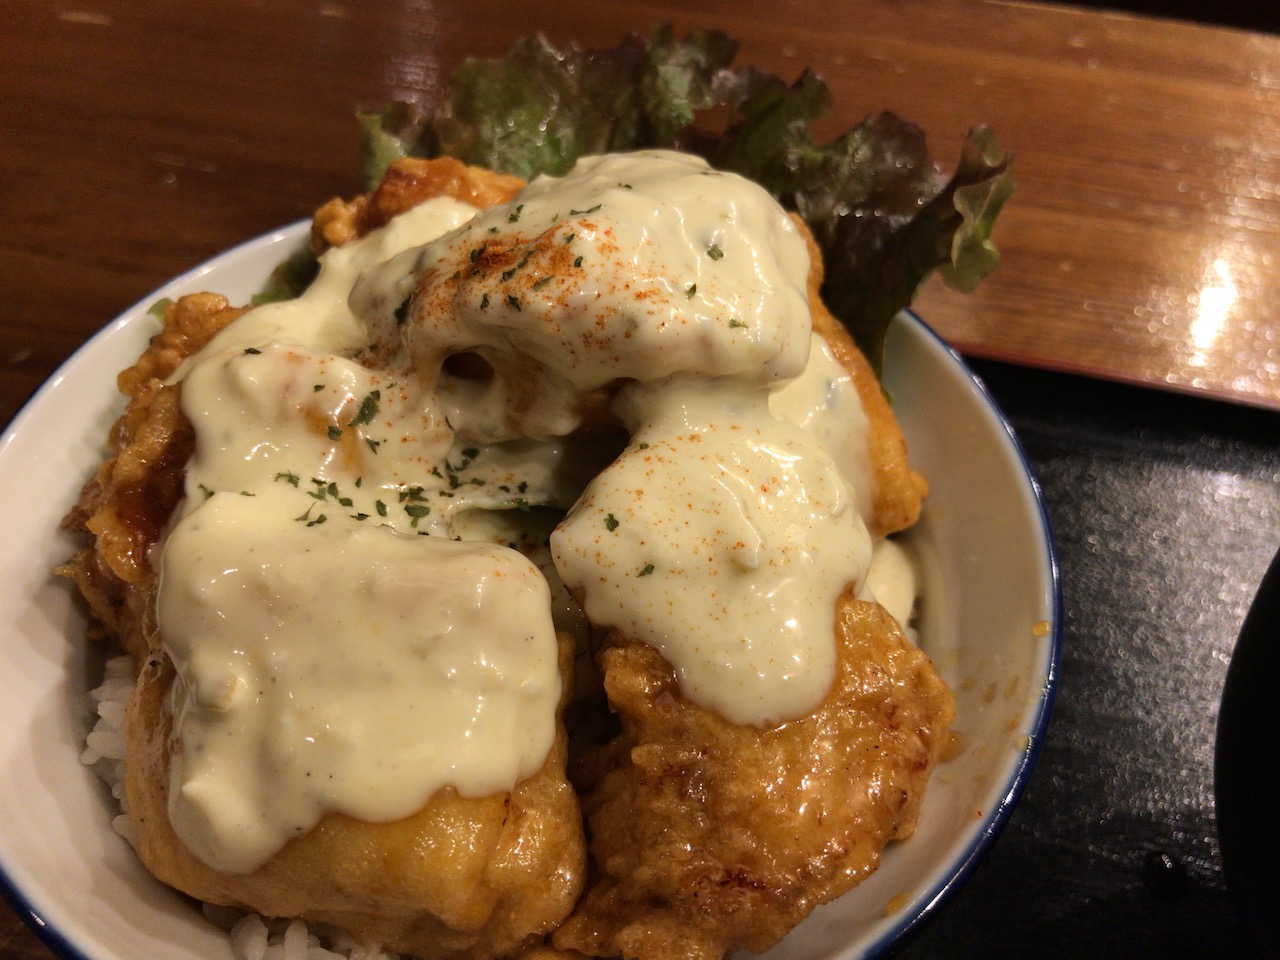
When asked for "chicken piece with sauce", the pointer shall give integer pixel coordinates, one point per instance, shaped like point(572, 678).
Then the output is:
point(459, 876)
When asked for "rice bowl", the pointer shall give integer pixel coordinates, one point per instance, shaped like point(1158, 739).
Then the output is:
point(989, 617)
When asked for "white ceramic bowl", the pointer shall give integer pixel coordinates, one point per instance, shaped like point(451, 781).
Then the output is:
point(990, 618)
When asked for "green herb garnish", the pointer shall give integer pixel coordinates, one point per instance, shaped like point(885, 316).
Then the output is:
point(368, 409)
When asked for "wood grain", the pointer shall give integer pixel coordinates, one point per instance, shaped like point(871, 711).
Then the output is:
point(1143, 243)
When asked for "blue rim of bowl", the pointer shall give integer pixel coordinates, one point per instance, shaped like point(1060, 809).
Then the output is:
point(50, 936)
point(940, 893)
point(937, 896)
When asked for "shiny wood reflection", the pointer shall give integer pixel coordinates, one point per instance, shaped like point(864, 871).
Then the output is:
point(1142, 243)
point(1145, 240)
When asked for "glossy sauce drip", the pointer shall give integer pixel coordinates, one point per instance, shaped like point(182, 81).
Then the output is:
point(722, 536)
point(824, 401)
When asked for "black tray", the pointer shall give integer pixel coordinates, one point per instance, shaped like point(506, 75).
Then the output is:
point(1167, 512)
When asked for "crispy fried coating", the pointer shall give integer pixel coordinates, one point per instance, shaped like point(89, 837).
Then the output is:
point(709, 836)
point(546, 951)
point(464, 877)
point(408, 182)
point(127, 503)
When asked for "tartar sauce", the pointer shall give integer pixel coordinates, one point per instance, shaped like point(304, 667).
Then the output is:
point(342, 641)
point(344, 667)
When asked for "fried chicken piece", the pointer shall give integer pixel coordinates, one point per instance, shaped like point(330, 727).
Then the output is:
point(129, 500)
point(898, 491)
point(708, 836)
point(123, 508)
point(408, 182)
point(464, 877)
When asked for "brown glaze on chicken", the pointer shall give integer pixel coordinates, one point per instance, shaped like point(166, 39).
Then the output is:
point(710, 837)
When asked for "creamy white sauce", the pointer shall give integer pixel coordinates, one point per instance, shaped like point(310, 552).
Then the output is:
point(635, 266)
point(824, 401)
point(430, 386)
point(891, 582)
point(343, 667)
point(321, 318)
point(722, 536)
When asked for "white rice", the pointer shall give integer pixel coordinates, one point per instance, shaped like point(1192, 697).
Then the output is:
point(104, 746)
point(252, 936)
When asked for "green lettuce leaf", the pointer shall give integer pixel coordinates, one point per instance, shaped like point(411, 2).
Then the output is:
point(290, 277)
point(883, 213)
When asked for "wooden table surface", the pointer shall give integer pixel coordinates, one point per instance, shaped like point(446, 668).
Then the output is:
point(1143, 242)
point(140, 137)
